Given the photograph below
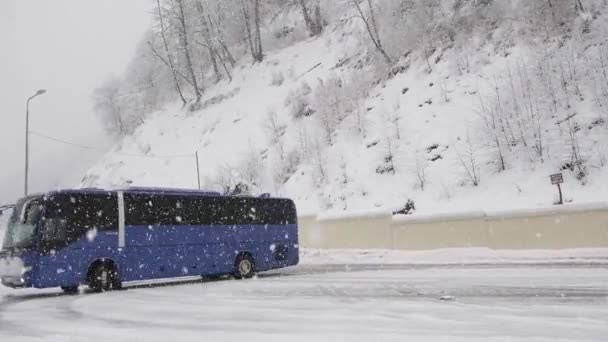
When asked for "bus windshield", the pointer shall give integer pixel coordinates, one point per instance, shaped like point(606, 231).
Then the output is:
point(22, 224)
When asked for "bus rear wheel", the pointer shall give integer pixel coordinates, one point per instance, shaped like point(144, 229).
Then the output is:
point(245, 266)
point(104, 278)
point(70, 289)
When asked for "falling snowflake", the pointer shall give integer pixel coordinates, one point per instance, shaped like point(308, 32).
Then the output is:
point(92, 234)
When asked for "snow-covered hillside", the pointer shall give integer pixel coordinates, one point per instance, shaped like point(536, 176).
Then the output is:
point(476, 122)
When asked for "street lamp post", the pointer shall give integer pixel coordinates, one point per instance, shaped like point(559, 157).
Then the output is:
point(27, 138)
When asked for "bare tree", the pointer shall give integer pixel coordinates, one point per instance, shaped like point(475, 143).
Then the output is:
point(388, 163)
point(304, 142)
point(319, 161)
point(314, 25)
point(490, 119)
point(420, 170)
point(216, 28)
point(578, 6)
point(468, 161)
point(209, 43)
point(223, 54)
point(329, 101)
point(256, 9)
point(168, 59)
point(577, 161)
point(358, 91)
point(250, 169)
point(276, 131)
point(372, 28)
point(107, 103)
point(254, 37)
point(285, 168)
point(183, 34)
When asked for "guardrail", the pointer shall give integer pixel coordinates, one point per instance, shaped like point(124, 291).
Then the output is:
point(568, 226)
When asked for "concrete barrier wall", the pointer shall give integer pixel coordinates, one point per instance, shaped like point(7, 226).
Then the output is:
point(572, 226)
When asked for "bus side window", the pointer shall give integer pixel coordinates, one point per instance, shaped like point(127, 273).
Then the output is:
point(54, 229)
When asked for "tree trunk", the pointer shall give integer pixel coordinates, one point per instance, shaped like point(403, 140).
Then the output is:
point(247, 22)
point(219, 34)
point(314, 26)
point(578, 5)
point(184, 34)
point(374, 37)
point(552, 12)
point(210, 45)
point(259, 52)
point(169, 57)
point(225, 67)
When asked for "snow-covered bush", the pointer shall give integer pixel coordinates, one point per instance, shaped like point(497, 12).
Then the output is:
point(277, 79)
point(287, 167)
point(298, 101)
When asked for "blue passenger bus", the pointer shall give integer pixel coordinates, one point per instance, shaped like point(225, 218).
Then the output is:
point(105, 238)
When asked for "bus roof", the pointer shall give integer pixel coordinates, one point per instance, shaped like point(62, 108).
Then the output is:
point(137, 189)
point(148, 190)
point(172, 191)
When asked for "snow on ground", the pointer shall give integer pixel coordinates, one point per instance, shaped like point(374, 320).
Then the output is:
point(317, 304)
point(444, 295)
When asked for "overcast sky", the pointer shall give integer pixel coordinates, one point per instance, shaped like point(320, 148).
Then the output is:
point(67, 47)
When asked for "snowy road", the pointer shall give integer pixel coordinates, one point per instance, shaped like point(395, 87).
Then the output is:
point(331, 303)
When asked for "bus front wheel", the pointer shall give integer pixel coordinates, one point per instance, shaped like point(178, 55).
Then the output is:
point(103, 277)
point(245, 266)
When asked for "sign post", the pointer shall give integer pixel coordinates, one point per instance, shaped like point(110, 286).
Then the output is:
point(558, 179)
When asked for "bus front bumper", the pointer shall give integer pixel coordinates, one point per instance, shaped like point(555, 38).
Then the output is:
point(14, 282)
point(13, 272)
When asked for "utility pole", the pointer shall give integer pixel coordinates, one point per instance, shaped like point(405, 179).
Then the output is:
point(198, 174)
point(27, 139)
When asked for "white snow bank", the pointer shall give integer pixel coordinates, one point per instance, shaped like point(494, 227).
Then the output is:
point(455, 256)
point(568, 208)
point(375, 213)
point(468, 215)
point(456, 216)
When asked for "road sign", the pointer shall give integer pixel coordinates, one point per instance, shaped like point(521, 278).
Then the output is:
point(557, 179)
